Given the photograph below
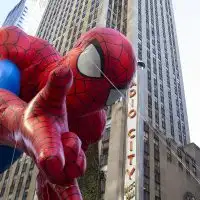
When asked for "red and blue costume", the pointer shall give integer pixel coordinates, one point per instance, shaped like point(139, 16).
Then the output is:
point(60, 108)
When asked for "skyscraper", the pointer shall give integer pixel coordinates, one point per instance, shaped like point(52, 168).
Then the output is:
point(143, 133)
point(164, 92)
point(26, 15)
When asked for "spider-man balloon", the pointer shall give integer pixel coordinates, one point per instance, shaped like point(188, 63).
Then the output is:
point(60, 108)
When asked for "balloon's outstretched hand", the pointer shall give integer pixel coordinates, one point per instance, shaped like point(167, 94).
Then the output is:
point(45, 132)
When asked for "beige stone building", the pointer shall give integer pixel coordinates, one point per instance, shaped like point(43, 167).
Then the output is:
point(170, 171)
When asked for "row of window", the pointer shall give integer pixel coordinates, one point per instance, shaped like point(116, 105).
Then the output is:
point(189, 162)
point(147, 165)
point(16, 173)
point(155, 71)
point(177, 87)
point(117, 15)
point(154, 67)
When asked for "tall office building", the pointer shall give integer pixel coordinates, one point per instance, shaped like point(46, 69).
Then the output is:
point(135, 153)
point(26, 15)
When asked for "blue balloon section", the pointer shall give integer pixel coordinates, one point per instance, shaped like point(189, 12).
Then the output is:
point(9, 80)
point(9, 76)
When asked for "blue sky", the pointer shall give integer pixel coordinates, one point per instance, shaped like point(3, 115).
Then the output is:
point(187, 18)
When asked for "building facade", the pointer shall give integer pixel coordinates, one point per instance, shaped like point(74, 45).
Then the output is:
point(134, 152)
point(26, 15)
point(170, 171)
point(19, 181)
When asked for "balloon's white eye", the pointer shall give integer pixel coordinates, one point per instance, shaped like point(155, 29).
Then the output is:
point(115, 95)
point(89, 62)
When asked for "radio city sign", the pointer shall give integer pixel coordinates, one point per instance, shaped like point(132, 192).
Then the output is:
point(130, 164)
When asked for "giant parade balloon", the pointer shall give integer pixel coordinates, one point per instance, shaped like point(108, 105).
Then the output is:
point(52, 106)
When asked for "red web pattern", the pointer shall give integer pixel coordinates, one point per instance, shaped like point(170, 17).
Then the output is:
point(32, 55)
point(43, 122)
point(119, 59)
point(118, 67)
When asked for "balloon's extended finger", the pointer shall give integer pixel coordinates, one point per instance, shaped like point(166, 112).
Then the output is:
point(76, 168)
point(71, 146)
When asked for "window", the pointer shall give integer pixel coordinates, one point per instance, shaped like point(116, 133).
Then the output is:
point(163, 124)
point(157, 166)
point(157, 189)
point(28, 181)
point(106, 134)
point(146, 195)
point(24, 167)
point(150, 113)
point(25, 195)
point(179, 152)
point(172, 130)
point(19, 187)
point(194, 170)
point(156, 105)
point(12, 187)
point(180, 165)
point(146, 127)
point(162, 98)
point(146, 160)
point(149, 85)
point(3, 190)
point(146, 147)
point(146, 184)
point(156, 155)
point(169, 154)
point(93, 24)
point(146, 171)
point(149, 101)
point(32, 165)
point(187, 161)
point(157, 117)
point(157, 177)
point(187, 172)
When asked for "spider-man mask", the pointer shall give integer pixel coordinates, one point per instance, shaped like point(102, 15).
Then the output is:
point(103, 64)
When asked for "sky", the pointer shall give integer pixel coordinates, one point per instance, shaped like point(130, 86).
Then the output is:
point(187, 17)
